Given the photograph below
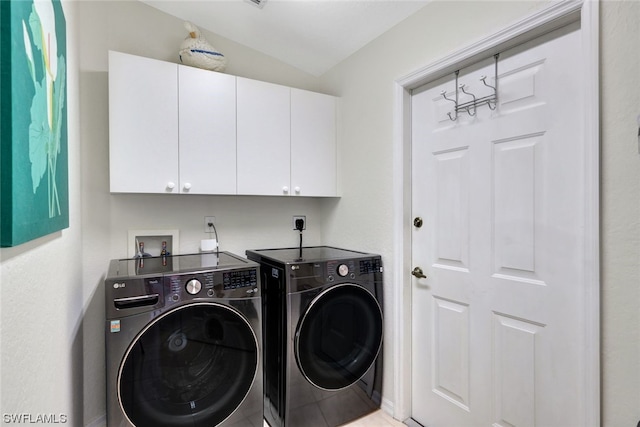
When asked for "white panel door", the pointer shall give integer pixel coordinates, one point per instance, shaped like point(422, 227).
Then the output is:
point(264, 138)
point(143, 124)
point(313, 144)
point(207, 131)
point(498, 321)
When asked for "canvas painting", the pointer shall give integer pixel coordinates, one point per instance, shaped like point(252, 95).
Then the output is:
point(33, 150)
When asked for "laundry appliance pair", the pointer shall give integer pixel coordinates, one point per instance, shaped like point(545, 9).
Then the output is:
point(189, 336)
point(322, 335)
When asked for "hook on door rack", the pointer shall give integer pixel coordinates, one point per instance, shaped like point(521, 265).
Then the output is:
point(483, 79)
point(470, 107)
point(455, 101)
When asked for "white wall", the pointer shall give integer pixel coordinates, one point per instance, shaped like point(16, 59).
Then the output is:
point(41, 294)
point(365, 84)
point(620, 236)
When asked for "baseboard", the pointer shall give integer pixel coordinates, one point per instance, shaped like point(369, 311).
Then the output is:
point(412, 423)
point(387, 406)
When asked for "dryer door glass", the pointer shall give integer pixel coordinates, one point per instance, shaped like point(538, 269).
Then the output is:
point(191, 367)
point(339, 337)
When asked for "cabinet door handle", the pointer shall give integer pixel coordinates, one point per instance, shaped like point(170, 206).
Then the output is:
point(187, 186)
point(285, 189)
point(297, 190)
point(171, 185)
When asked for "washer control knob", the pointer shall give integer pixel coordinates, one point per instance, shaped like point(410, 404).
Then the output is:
point(343, 270)
point(193, 286)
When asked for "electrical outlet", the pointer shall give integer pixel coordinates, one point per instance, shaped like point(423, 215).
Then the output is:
point(304, 220)
point(209, 220)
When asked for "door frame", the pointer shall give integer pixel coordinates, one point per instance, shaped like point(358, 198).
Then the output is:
point(546, 20)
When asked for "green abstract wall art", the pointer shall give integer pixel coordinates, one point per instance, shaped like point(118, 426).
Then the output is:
point(34, 195)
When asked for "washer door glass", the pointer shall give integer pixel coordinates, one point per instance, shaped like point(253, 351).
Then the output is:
point(339, 337)
point(191, 367)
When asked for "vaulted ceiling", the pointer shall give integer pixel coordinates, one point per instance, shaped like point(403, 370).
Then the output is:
point(312, 35)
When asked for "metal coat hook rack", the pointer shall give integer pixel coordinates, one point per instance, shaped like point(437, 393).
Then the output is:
point(470, 107)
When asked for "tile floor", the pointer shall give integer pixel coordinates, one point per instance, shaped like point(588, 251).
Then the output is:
point(375, 419)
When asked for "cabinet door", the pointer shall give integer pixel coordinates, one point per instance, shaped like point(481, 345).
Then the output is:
point(143, 124)
point(207, 117)
point(313, 144)
point(264, 136)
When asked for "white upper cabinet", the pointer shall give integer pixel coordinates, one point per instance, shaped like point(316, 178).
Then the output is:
point(313, 144)
point(172, 128)
point(143, 124)
point(183, 130)
point(264, 138)
point(286, 141)
point(207, 136)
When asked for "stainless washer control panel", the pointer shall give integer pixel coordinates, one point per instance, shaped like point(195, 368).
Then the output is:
point(219, 284)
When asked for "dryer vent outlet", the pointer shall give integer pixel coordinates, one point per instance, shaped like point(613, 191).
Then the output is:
point(299, 222)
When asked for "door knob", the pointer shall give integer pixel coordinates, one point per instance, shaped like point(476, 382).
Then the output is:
point(418, 273)
point(417, 222)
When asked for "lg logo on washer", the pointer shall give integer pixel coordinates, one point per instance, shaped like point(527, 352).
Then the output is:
point(119, 285)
